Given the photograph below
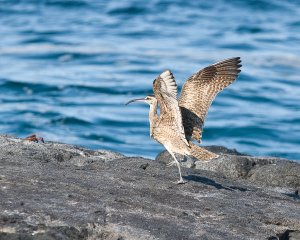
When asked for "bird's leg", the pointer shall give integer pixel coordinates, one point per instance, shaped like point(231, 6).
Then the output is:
point(181, 181)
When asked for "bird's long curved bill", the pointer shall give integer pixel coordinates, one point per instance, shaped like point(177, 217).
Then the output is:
point(135, 100)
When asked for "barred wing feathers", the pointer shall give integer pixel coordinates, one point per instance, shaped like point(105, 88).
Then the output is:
point(200, 90)
point(165, 91)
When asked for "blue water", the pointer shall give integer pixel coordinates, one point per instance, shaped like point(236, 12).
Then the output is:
point(67, 68)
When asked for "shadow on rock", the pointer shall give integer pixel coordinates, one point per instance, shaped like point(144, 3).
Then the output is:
point(210, 182)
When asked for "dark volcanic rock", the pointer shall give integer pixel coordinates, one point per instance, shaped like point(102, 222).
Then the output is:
point(58, 191)
point(262, 171)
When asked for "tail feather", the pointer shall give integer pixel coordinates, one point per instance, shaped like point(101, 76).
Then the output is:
point(201, 153)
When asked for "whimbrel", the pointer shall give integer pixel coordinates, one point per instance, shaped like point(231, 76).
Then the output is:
point(181, 121)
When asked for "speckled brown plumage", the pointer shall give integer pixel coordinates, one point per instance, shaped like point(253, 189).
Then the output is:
point(181, 121)
point(200, 90)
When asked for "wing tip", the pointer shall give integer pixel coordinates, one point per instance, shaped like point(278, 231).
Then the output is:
point(166, 73)
point(238, 60)
point(234, 62)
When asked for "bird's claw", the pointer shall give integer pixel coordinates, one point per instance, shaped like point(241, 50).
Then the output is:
point(181, 181)
point(170, 164)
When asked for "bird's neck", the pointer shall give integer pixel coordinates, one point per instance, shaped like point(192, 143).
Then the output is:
point(152, 117)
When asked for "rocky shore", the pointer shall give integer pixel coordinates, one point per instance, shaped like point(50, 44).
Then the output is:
point(59, 191)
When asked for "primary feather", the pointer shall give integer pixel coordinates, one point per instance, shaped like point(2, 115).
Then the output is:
point(200, 90)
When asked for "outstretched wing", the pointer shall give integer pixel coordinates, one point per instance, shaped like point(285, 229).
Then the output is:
point(165, 91)
point(200, 90)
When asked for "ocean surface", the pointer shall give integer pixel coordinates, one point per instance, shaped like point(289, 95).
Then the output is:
point(68, 66)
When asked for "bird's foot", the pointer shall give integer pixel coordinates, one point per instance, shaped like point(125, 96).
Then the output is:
point(171, 164)
point(181, 181)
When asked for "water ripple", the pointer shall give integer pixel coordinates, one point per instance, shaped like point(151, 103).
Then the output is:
point(68, 67)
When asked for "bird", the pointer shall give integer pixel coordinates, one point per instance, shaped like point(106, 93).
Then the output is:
point(180, 120)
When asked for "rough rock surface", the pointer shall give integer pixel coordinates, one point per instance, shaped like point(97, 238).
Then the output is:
point(58, 191)
point(276, 173)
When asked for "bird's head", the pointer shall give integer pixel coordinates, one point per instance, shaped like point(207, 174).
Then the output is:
point(150, 99)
